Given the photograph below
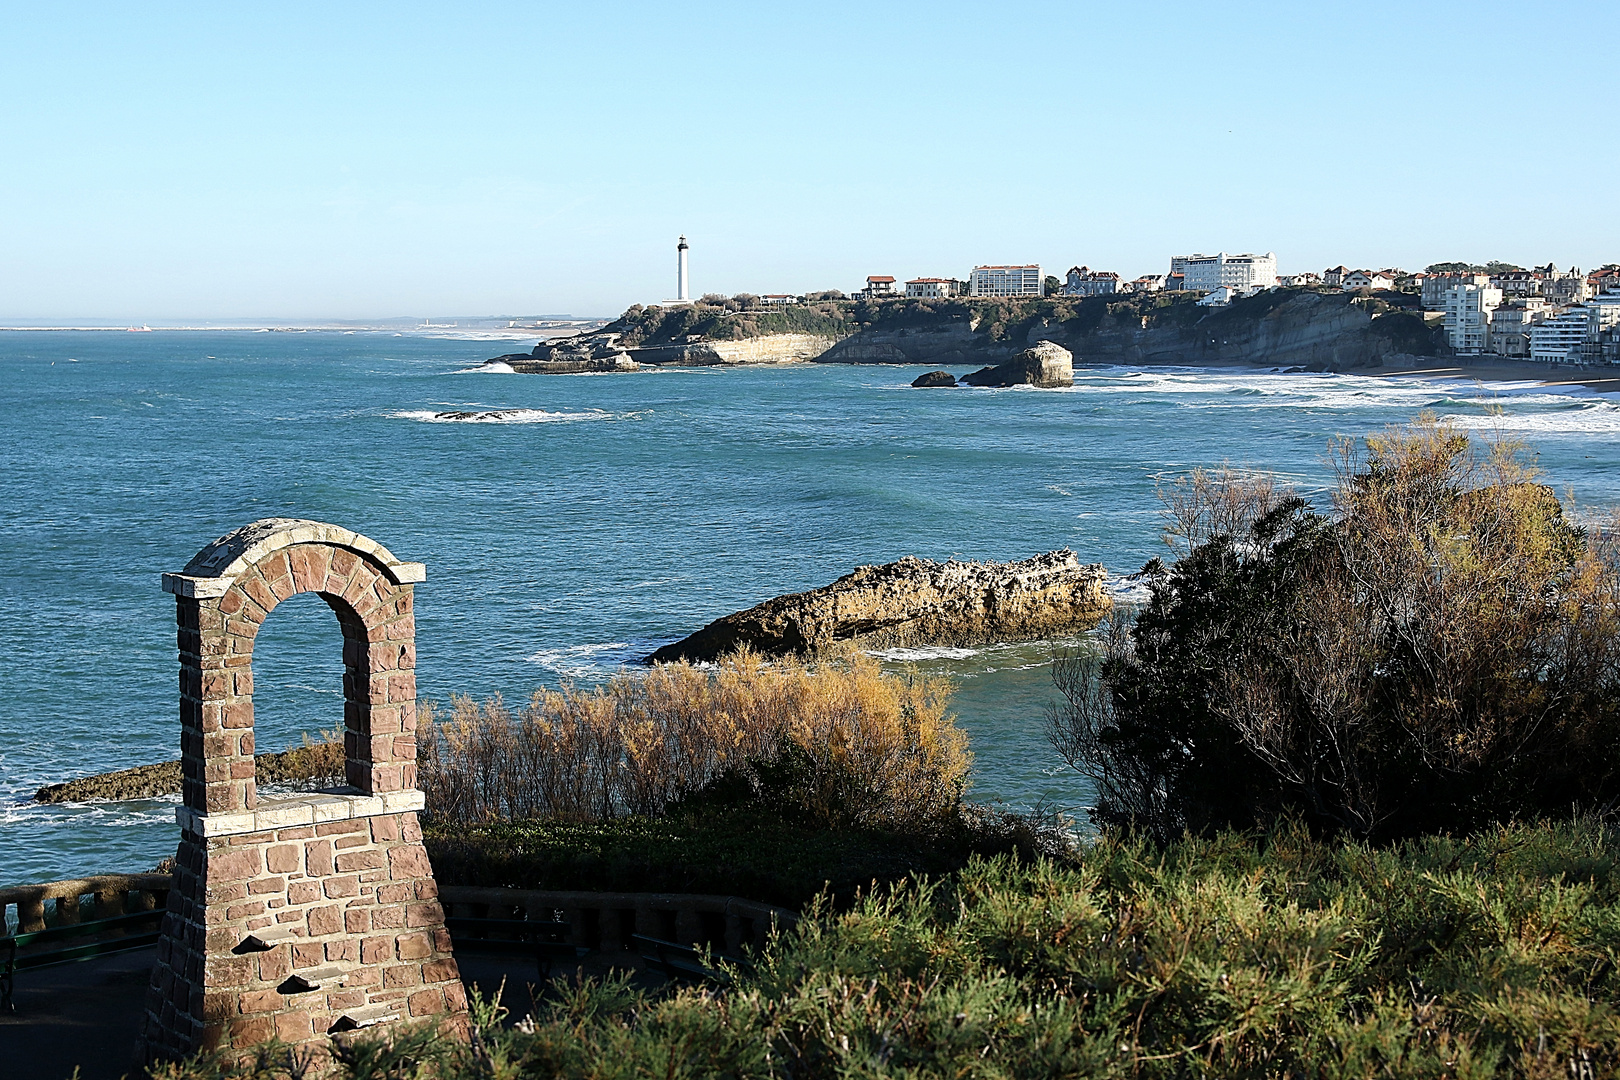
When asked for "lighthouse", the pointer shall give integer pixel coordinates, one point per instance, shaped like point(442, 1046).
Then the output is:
point(680, 271)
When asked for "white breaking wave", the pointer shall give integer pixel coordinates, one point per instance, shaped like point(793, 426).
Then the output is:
point(595, 660)
point(506, 416)
point(494, 367)
point(923, 653)
point(1588, 418)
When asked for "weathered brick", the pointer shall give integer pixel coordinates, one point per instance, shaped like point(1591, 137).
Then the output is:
point(426, 914)
point(429, 1002)
point(369, 859)
point(408, 862)
point(282, 859)
point(376, 950)
point(345, 885)
point(353, 840)
point(318, 858)
point(266, 885)
point(303, 892)
point(307, 954)
point(251, 1030)
point(435, 971)
point(343, 949)
point(275, 965)
point(332, 828)
point(401, 975)
point(414, 946)
point(242, 911)
point(357, 920)
point(293, 1027)
point(261, 1001)
point(325, 920)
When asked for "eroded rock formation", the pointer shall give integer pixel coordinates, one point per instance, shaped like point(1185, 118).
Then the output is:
point(1042, 364)
point(914, 602)
point(935, 378)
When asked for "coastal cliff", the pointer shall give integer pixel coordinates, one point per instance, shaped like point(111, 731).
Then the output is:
point(1289, 327)
point(912, 602)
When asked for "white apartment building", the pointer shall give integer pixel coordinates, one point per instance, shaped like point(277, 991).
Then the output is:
point(1005, 281)
point(1558, 339)
point(931, 288)
point(1468, 311)
point(1244, 273)
point(878, 285)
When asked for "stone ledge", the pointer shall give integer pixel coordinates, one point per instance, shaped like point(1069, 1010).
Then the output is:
point(335, 804)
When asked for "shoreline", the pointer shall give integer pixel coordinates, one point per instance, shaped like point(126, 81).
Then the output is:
point(1502, 370)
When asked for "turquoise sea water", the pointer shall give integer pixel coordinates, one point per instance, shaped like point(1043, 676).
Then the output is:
point(609, 515)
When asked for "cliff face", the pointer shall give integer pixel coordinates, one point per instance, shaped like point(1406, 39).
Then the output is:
point(915, 601)
point(766, 349)
point(1314, 330)
point(604, 351)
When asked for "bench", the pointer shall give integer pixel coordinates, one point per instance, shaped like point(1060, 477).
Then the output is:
point(681, 963)
point(544, 939)
point(127, 932)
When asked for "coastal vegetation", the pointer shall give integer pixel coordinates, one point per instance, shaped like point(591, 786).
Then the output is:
point(1437, 652)
point(1260, 954)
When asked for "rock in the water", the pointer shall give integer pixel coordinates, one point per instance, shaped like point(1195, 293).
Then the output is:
point(571, 356)
point(935, 378)
point(1043, 364)
point(914, 602)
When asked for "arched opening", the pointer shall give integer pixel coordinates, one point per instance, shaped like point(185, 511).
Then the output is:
point(298, 697)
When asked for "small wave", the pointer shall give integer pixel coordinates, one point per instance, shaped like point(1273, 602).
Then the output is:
point(596, 660)
point(494, 367)
point(504, 416)
point(924, 653)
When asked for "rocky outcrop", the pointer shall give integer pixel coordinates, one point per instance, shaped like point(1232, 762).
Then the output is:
point(1042, 364)
point(571, 356)
point(766, 349)
point(604, 351)
point(321, 761)
point(935, 378)
point(913, 602)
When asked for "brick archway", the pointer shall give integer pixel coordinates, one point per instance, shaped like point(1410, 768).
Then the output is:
point(304, 916)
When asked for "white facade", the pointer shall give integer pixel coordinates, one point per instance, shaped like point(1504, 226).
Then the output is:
point(878, 285)
point(1559, 339)
point(931, 288)
point(1468, 316)
point(1005, 281)
point(1437, 286)
point(1219, 297)
point(1084, 281)
point(1245, 273)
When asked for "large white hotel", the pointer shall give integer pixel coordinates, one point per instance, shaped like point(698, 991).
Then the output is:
point(1240, 273)
point(1005, 281)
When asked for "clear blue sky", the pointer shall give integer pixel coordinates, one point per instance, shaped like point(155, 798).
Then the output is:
point(367, 160)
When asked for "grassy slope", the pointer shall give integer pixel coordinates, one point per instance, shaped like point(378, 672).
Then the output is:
point(1236, 956)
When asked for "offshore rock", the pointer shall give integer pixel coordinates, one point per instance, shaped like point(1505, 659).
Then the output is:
point(935, 378)
point(1042, 364)
point(576, 355)
point(915, 602)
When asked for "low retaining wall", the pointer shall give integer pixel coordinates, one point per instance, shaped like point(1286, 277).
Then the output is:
point(602, 922)
point(30, 908)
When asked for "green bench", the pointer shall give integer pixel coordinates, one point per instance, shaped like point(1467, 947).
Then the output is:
point(544, 939)
point(30, 950)
point(678, 962)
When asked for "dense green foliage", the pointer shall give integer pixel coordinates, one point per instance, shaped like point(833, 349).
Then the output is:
point(1438, 654)
point(746, 851)
point(1235, 956)
point(727, 321)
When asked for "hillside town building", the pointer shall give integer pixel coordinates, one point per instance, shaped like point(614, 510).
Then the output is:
point(1145, 283)
point(1468, 316)
point(1367, 279)
point(1511, 323)
point(878, 285)
point(1005, 281)
point(1083, 281)
point(932, 288)
point(1245, 273)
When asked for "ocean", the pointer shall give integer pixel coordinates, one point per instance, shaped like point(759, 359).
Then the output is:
point(594, 519)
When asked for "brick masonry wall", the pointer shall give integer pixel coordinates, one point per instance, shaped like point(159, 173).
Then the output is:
point(356, 895)
point(281, 925)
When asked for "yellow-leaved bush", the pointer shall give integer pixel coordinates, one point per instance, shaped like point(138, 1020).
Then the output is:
point(841, 741)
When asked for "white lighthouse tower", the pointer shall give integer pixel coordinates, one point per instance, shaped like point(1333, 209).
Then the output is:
point(681, 295)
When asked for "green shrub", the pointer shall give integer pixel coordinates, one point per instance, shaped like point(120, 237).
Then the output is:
point(1441, 653)
point(1243, 956)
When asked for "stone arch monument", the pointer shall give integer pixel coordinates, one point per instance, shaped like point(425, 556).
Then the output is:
point(316, 914)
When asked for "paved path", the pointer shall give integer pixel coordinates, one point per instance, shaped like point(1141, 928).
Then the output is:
point(88, 1015)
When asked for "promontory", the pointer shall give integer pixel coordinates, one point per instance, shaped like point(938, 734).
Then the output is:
point(915, 602)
